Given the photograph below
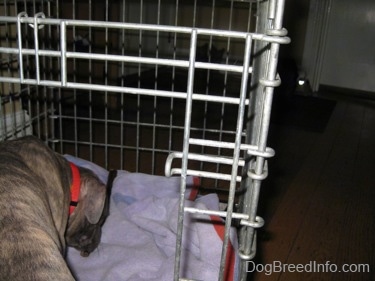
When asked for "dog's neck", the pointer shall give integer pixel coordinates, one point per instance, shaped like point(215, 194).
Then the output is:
point(74, 188)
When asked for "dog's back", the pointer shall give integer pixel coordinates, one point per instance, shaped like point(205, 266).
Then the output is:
point(32, 225)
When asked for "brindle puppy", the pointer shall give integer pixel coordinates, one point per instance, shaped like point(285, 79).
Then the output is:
point(34, 203)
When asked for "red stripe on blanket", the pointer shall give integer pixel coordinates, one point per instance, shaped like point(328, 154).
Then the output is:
point(230, 262)
point(194, 191)
point(220, 230)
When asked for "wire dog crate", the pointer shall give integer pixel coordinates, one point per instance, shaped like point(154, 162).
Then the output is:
point(159, 87)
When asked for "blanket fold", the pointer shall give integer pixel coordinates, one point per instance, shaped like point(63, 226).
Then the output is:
point(139, 236)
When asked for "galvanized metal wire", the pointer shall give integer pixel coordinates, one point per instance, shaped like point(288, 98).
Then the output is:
point(246, 161)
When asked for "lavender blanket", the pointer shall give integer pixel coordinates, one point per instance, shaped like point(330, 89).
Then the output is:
point(138, 240)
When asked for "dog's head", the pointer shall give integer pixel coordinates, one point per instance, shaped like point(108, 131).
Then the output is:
point(85, 222)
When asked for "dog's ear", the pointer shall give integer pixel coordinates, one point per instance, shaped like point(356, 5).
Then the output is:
point(93, 197)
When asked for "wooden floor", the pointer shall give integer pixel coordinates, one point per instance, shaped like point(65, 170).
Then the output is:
point(319, 204)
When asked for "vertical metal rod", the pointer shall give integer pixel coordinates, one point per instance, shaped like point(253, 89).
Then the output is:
point(271, 64)
point(3, 123)
point(272, 9)
point(272, 68)
point(7, 28)
point(75, 80)
point(225, 84)
point(13, 125)
point(139, 86)
point(20, 58)
point(37, 66)
point(30, 93)
point(195, 14)
point(36, 47)
point(236, 153)
point(63, 70)
point(106, 93)
point(171, 136)
point(254, 116)
point(155, 98)
point(204, 127)
point(122, 84)
point(59, 94)
point(51, 90)
point(271, 75)
point(260, 161)
point(185, 152)
point(44, 89)
point(19, 38)
point(91, 150)
point(249, 17)
point(279, 15)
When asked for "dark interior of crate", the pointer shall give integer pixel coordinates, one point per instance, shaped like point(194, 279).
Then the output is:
point(136, 132)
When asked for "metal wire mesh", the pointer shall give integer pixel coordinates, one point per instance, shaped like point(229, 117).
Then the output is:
point(160, 87)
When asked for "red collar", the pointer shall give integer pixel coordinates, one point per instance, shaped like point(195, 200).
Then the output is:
point(74, 188)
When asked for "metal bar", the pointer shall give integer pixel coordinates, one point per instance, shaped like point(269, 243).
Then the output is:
point(258, 171)
point(19, 39)
point(227, 49)
point(173, 78)
point(222, 214)
point(264, 128)
point(184, 165)
point(169, 171)
point(208, 83)
point(175, 127)
point(106, 92)
point(75, 121)
point(140, 32)
point(118, 89)
point(205, 174)
point(253, 116)
point(91, 150)
point(122, 112)
point(155, 87)
point(131, 59)
point(48, 53)
point(272, 9)
point(48, 92)
point(150, 27)
point(63, 71)
point(236, 154)
point(194, 14)
point(36, 47)
point(249, 17)
point(244, 219)
point(251, 149)
point(117, 146)
point(153, 61)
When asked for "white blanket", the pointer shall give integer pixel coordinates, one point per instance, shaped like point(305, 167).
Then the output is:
point(139, 236)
